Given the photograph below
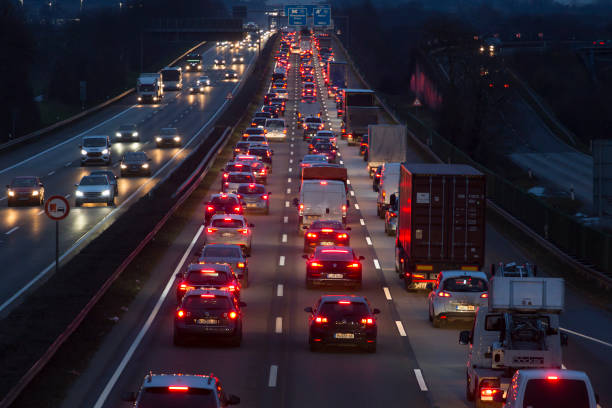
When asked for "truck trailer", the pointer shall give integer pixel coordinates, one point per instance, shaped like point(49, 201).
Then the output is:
point(386, 144)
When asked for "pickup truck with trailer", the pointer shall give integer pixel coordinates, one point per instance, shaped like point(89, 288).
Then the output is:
point(517, 330)
point(441, 223)
point(360, 111)
point(149, 87)
point(386, 144)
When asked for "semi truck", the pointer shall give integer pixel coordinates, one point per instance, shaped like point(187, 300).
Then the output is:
point(386, 144)
point(149, 87)
point(441, 223)
point(360, 111)
point(517, 330)
point(337, 77)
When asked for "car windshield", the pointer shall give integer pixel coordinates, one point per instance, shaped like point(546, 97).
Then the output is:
point(227, 223)
point(215, 251)
point(162, 397)
point(327, 224)
point(275, 124)
point(560, 393)
point(127, 127)
point(340, 311)
point(135, 156)
point(94, 142)
point(198, 302)
point(93, 181)
point(240, 178)
point(203, 78)
point(207, 276)
point(24, 182)
point(251, 190)
point(169, 131)
point(465, 284)
point(224, 201)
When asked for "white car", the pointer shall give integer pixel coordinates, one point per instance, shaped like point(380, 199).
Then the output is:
point(203, 80)
point(282, 93)
point(275, 129)
point(96, 149)
point(230, 229)
point(94, 189)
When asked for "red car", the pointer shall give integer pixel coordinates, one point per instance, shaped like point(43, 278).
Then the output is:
point(326, 233)
point(25, 190)
point(333, 265)
point(207, 276)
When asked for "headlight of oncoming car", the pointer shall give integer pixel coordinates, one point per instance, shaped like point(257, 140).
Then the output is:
point(177, 139)
point(106, 193)
point(83, 152)
point(123, 166)
point(118, 134)
point(105, 151)
point(35, 192)
point(134, 134)
point(158, 139)
point(79, 193)
point(145, 166)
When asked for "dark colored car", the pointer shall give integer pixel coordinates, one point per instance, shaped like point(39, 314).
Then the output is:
point(110, 176)
point(327, 149)
point(208, 314)
point(207, 276)
point(333, 265)
point(252, 131)
point(309, 99)
point(363, 147)
point(376, 178)
point(127, 132)
point(241, 147)
point(229, 254)
point(135, 163)
point(342, 320)
point(235, 166)
point(222, 204)
point(326, 233)
point(272, 110)
point(258, 122)
point(266, 115)
point(262, 152)
point(25, 190)
point(268, 97)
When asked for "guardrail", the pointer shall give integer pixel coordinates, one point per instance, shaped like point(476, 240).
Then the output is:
point(58, 125)
point(586, 270)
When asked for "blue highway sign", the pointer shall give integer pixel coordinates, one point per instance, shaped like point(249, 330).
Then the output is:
point(297, 16)
point(322, 16)
point(309, 8)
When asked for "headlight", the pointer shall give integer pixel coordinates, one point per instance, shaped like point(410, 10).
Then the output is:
point(105, 193)
point(177, 139)
point(134, 134)
point(83, 152)
point(202, 89)
point(199, 67)
point(118, 134)
point(145, 166)
point(186, 67)
point(123, 166)
point(105, 151)
point(190, 89)
point(79, 193)
point(11, 193)
point(35, 192)
point(158, 139)
point(139, 99)
point(207, 82)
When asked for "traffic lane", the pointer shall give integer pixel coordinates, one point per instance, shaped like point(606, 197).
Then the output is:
point(242, 370)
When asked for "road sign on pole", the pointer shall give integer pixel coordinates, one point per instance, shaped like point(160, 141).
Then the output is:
point(297, 16)
point(57, 208)
point(322, 16)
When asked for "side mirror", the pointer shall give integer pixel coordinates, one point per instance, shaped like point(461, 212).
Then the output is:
point(296, 202)
point(252, 225)
point(308, 309)
point(429, 286)
point(233, 399)
point(376, 311)
point(129, 396)
point(361, 257)
point(305, 256)
point(241, 304)
point(464, 337)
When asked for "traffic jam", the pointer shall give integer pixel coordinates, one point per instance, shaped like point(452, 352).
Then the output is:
point(436, 212)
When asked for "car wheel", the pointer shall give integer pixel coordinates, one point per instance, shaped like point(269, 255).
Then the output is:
point(177, 339)
point(386, 228)
point(245, 279)
point(390, 232)
point(116, 191)
point(430, 313)
point(468, 394)
point(82, 164)
point(378, 210)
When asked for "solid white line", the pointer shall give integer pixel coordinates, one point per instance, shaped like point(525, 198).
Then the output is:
point(286, 203)
point(356, 206)
point(376, 264)
point(3, 198)
point(40, 212)
point(420, 379)
point(128, 355)
point(51, 173)
point(400, 328)
point(362, 221)
point(279, 325)
point(273, 375)
point(387, 293)
point(281, 261)
point(284, 238)
point(368, 240)
point(9, 232)
point(352, 193)
point(586, 337)
point(285, 220)
point(288, 191)
point(279, 290)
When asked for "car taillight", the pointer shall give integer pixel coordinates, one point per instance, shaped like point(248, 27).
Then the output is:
point(237, 209)
point(484, 295)
point(344, 209)
point(444, 294)
point(311, 235)
point(486, 394)
point(353, 265)
point(230, 288)
point(367, 320)
point(241, 264)
point(210, 208)
point(225, 175)
point(232, 315)
point(301, 207)
point(178, 388)
point(180, 313)
point(244, 231)
point(210, 229)
point(226, 183)
point(316, 265)
point(342, 236)
point(320, 319)
point(264, 197)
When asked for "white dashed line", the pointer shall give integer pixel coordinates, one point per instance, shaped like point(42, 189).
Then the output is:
point(284, 238)
point(290, 169)
point(362, 221)
point(289, 180)
point(288, 191)
point(40, 212)
point(420, 379)
point(3, 198)
point(51, 173)
point(356, 206)
point(291, 153)
point(67, 196)
point(376, 264)
point(286, 203)
point(67, 164)
point(347, 180)
point(273, 375)
point(352, 193)
point(290, 161)
point(278, 329)
point(400, 328)
point(368, 240)
point(281, 261)
point(285, 220)
point(279, 290)
point(9, 232)
point(291, 145)
point(387, 293)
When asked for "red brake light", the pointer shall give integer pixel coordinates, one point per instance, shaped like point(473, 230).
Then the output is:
point(327, 230)
point(311, 235)
point(210, 208)
point(244, 231)
point(367, 320)
point(207, 296)
point(552, 377)
point(316, 265)
point(484, 295)
point(232, 315)
point(178, 388)
point(342, 236)
point(241, 264)
point(180, 313)
point(344, 302)
point(301, 206)
point(211, 229)
point(353, 265)
point(323, 183)
point(320, 319)
point(264, 197)
point(225, 175)
point(227, 219)
point(337, 251)
point(486, 394)
point(237, 209)
point(444, 294)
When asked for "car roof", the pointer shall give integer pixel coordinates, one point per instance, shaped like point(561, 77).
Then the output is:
point(223, 195)
point(224, 246)
point(456, 274)
point(208, 382)
point(543, 373)
point(215, 266)
point(232, 216)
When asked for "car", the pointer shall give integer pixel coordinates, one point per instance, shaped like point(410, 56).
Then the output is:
point(275, 129)
point(96, 149)
point(326, 233)
point(262, 114)
point(254, 198)
point(279, 84)
point(135, 163)
point(231, 74)
point(111, 178)
point(262, 152)
point(327, 135)
point(247, 158)
point(260, 171)
point(230, 229)
point(272, 110)
point(336, 265)
point(258, 122)
point(308, 88)
point(391, 220)
point(282, 94)
point(220, 61)
point(308, 78)
point(363, 147)
point(310, 159)
point(311, 125)
point(203, 80)
point(196, 87)
point(342, 320)
point(252, 131)
point(168, 137)
point(268, 97)
point(259, 139)
point(309, 99)
point(457, 295)
point(210, 314)
point(233, 166)
point(207, 276)
point(279, 103)
point(238, 59)
point(25, 190)
point(127, 132)
point(94, 189)
point(241, 148)
point(181, 390)
point(226, 254)
point(327, 149)
point(376, 176)
point(222, 203)
point(235, 178)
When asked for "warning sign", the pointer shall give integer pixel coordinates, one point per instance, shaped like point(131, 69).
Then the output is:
point(57, 208)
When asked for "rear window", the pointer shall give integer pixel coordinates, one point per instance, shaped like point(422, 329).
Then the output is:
point(313, 120)
point(162, 397)
point(230, 223)
point(561, 393)
point(240, 178)
point(465, 284)
point(215, 251)
point(338, 311)
point(331, 254)
point(251, 190)
point(258, 152)
point(224, 201)
point(205, 303)
point(203, 277)
point(314, 158)
point(254, 131)
point(257, 138)
point(327, 224)
point(324, 147)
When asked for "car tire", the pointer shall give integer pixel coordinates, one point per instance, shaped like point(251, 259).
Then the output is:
point(116, 191)
point(430, 313)
point(177, 339)
point(82, 164)
point(378, 211)
point(469, 395)
point(244, 282)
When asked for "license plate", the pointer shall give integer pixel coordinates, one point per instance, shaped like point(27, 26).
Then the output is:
point(344, 336)
point(226, 234)
point(465, 307)
point(207, 321)
point(251, 205)
point(334, 276)
point(326, 243)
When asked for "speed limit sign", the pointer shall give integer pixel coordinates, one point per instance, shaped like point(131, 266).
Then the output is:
point(57, 208)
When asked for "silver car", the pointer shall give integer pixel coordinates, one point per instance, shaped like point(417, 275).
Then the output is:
point(254, 198)
point(229, 254)
point(457, 295)
point(94, 189)
point(234, 179)
point(275, 129)
point(230, 229)
point(168, 137)
point(128, 132)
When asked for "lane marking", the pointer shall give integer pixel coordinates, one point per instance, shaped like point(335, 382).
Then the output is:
point(281, 261)
point(352, 193)
point(279, 290)
point(387, 293)
point(68, 164)
point(289, 180)
point(420, 379)
point(278, 329)
point(348, 181)
point(356, 206)
point(376, 264)
point(273, 375)
point(9, 232)
point(67, 196)
point(362, 221)
point(291, 152)
point(51, 173)
point(40, 212)
point(586, 337)
point(368, 240)
point(285, 220)
point(286, 203)
point(284, 238)
point(400, 328)
point(290, 169)
point(128, 355)
point(288, 191)
point(290, 161)
point(3, 198)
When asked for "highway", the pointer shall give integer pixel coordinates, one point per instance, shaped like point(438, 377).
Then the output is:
point(415, 365)
point(27, 245)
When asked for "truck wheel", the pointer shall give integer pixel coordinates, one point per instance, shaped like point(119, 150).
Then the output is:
point(468, 394)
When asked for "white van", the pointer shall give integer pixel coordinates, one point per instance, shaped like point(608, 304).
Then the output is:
point(389, 184)
point(275, 129)
point(321, 200)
